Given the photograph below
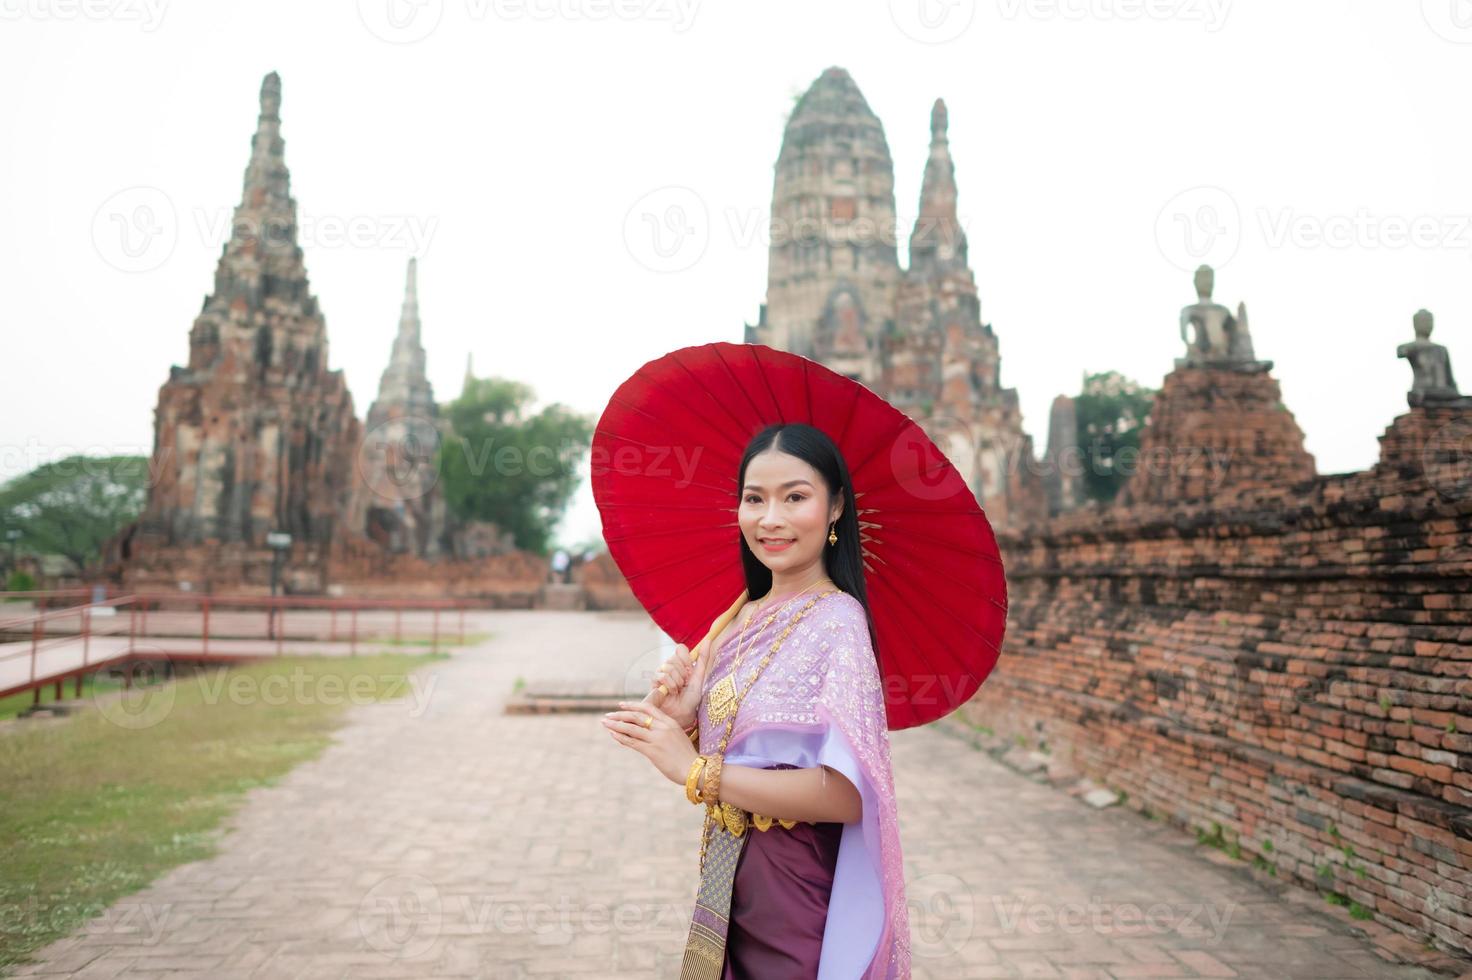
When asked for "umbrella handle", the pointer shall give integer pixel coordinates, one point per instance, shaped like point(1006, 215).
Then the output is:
point(654, 697)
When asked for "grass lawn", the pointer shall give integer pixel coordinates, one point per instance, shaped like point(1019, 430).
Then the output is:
point(94, 807)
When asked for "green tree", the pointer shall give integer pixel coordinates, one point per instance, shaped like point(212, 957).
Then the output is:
point(504, 466)
point(1110, 411)
point(73, 506)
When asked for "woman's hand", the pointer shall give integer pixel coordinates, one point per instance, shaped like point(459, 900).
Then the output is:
point(663, 743)
point(685, 681)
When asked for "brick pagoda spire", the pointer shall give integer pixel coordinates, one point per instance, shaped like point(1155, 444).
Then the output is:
point(397, 500)
point(255, 434)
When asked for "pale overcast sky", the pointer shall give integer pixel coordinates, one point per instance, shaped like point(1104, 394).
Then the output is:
point(1316, 152)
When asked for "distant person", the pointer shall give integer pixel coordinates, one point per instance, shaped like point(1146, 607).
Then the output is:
point(560, 564)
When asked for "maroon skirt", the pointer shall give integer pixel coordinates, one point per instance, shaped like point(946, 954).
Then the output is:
point(779, 900)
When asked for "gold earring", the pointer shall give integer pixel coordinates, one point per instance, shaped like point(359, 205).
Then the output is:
point(832, 534)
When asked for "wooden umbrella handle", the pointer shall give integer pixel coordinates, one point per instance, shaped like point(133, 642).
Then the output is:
point(657, 699)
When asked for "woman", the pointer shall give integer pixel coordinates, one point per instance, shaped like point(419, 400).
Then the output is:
point(793, 761)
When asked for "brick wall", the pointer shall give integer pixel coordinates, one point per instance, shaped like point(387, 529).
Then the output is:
point(1291, 662)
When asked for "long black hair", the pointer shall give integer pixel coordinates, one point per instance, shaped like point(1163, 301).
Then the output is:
point(842, 561)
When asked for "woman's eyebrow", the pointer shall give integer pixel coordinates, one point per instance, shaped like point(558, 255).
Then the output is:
point(789, 483)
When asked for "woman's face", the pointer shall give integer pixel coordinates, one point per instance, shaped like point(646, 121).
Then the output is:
point(786, 500)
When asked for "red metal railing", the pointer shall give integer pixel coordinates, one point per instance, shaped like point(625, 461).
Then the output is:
point(43, 646)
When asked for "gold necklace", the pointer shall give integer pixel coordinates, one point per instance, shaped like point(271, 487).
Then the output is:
point(722, 700)
point(732, 817)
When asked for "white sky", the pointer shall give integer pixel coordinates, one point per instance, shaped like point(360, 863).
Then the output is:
point(514, 147)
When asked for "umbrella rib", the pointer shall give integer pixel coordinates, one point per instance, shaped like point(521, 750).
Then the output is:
point(692, 587)
point(848, 418)
point(635, 442)
point(767, 382)
point(939, 464)
point(963, 623)
point(918, 648)
point(730, 373)
point(616, 505)
point(644, 534)
point(631, 406)
point(880, 444)
point(736, 422)
point(941, 543)
point(807, 392)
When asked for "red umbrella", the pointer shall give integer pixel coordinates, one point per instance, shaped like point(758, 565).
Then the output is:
point(664, 462)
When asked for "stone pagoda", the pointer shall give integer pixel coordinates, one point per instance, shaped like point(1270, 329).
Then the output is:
point(255, 435)
point(836, 293)
point(396, 499)
point(1218, 429)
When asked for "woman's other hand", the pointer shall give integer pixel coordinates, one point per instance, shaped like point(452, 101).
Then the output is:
point(685, 680)
point(662, 742)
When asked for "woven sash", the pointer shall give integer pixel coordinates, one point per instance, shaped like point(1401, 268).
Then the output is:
point(705, 950)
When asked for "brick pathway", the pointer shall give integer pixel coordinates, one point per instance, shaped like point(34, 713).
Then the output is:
point(441, 837)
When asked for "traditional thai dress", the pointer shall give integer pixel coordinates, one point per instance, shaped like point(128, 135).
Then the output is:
point(807, 900)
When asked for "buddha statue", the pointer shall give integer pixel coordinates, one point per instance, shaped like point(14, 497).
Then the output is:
point(1431, 366)
point(1221, 339)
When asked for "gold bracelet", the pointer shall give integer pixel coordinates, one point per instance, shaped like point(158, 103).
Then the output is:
point(693, 775)
point(710, 792)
